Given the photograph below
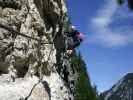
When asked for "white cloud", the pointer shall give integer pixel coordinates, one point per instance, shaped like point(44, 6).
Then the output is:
point(106, 35)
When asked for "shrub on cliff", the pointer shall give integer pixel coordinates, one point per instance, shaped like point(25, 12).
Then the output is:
point(83, 88)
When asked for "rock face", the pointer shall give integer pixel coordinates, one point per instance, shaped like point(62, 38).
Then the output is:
point(33, 64)
point(123, 90)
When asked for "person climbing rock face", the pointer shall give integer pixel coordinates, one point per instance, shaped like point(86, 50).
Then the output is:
point(77, 38)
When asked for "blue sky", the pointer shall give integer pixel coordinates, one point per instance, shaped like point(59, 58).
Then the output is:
point(108, 45)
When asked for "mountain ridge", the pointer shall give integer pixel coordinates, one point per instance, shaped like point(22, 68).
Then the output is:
point(122, 90)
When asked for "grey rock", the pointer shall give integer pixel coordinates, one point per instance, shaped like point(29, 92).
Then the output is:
point(122, 90)
point(32, 63)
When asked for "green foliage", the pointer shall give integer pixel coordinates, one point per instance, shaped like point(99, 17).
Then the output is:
point(101, 97)
point(3, 67)
point(96, 91)
point(67, 24)
point(45, 69)
point(130, 3)
point(83, 88)
point(120, 2)
point(10, 4)
point(21, 65)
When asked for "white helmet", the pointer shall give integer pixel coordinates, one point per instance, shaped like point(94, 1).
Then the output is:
point(73, 27)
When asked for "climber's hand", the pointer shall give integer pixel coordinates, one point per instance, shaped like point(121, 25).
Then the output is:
point(69, 52)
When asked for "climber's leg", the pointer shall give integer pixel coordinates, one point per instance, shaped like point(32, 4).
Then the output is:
point(69, 48)
point(72, 46)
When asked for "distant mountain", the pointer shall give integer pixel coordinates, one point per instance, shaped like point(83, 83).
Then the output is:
point(122, 90)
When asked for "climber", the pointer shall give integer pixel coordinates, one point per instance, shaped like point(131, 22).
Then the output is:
point(77, 38)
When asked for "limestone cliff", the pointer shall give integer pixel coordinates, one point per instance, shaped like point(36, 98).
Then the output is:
point(33, 63)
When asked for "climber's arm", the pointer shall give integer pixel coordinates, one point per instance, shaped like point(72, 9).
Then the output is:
point(71, 47)
point(71, 34)
point(76, 45)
